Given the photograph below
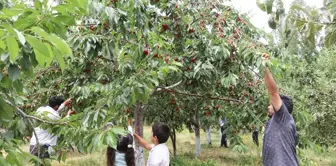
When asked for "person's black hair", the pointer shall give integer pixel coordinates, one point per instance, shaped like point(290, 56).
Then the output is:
point(55, 101)
point(124, 145)
point(161, 131)
point(288, 102)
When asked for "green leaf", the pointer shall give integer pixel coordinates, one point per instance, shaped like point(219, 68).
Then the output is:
point(61, 46)
point(118, 130)
point(13, 47)
point(2, 45)
point(111, 140)
point(269, 6)
point(261, 6)
point(50, 58)
point(38, 4)
point(37, 44)
point(10, 12)
point(21, 126)
point(66, 20)
point(6, 111)
point(18, 86)
point(59, 59)
point(13, 72)
point(20, 37)
point(6, 82)
point(41, 33)
point(59, 28)
point(40, 57)
point(26, 20)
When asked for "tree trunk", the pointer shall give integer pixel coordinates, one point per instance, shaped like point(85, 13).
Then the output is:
point(197, 135)
point(139, 151)
point(173, 138)
point(208, 135)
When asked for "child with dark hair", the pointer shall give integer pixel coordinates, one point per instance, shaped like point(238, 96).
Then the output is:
point(123, 155)
point(159, 153)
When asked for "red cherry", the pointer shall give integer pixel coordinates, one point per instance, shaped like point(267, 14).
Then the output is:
point(239, 19)
point(188, 68)
point(191, 30)
point(146, 52)
point(106, 25)
point(217, 106)
point(156, 55)
point(178, 36)
point(206, 108)
point(172, 101)
point(92, 27)
point(86, 70)
point(165, 27)
point(193, 60)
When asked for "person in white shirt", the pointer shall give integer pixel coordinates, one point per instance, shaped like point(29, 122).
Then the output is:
point(45, 139)
point(222, 124)
point(123, 155)
point(159, 153)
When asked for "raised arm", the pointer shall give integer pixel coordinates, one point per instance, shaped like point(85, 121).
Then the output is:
point(143, 142)
point(272, 89)
point(65, 103)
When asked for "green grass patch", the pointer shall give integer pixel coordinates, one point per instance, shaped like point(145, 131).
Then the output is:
point(211, 155)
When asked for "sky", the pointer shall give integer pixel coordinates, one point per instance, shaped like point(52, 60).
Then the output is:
point(260, 18)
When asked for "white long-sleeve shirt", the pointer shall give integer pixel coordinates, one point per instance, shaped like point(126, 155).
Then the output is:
point(43, 136)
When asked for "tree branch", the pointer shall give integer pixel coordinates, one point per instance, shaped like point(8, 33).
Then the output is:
point(33, 117)
point(198, 95)
point(168, 87)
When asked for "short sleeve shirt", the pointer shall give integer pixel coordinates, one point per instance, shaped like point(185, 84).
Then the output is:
point(280, 140)
point(158, 156)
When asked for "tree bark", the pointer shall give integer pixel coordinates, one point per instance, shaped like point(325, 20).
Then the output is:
point(138, 122)
point(173, 138)
point(208, 134)
point(197, 135)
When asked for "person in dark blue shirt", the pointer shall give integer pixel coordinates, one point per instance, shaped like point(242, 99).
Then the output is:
point(279, 147)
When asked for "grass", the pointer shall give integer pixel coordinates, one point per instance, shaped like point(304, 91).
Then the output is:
point(210, 155)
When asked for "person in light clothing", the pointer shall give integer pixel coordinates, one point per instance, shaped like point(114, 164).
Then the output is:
point(159, 153)
point(45, 139)
point(123, 155)
point(222, 124)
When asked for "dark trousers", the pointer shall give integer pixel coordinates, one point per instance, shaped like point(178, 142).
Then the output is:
point(223, 139)
point(43, 151)
point(255, 137)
